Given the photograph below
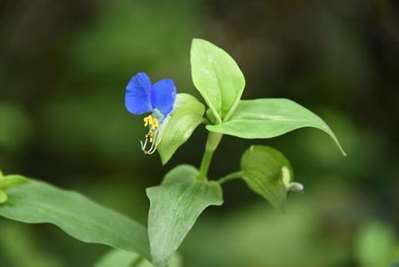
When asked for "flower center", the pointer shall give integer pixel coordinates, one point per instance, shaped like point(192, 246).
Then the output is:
point(149, 146)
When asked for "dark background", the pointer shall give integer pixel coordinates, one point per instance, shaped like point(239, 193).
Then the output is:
point(63, 68)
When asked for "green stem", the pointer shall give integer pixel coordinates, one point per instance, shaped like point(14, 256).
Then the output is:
point(211, 145)
point(229, 177)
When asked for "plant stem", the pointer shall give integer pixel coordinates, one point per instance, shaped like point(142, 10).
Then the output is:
point(229, 177)
point(211, 145)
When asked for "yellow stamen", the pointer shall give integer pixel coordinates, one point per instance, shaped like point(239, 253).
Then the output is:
point(152, 136)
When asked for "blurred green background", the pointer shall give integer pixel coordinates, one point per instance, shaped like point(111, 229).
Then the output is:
point(63, 68)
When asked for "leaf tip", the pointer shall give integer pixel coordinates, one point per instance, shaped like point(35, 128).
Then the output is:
point(197, 40)
point(341, 149)
point(330, 132)
point(164, 158)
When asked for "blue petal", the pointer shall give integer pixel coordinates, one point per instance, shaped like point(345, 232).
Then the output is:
point(137, 95)
point(163, 96)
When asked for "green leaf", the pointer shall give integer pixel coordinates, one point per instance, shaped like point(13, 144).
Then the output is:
point(217, 77)
point(81, 218)
point(267, 118)
point(120, 258)
point(9, 181)
point(3, 197)
point(186, 116)
point(268, 173)
point(175, 206)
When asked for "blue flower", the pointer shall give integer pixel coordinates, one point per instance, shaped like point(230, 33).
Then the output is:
point(142, 97)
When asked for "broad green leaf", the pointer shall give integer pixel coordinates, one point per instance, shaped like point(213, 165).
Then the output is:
point(81, 218)
point(217, 77)
point(121, 258)
point(186, 116)
point(175, 206)
point(267, 118)
point(268, 173)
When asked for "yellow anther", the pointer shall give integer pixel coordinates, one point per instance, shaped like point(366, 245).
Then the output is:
point(152, 122)
point(151, 138)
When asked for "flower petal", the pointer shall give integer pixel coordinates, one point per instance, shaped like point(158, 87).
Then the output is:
point(163, 96)
point(137, 95)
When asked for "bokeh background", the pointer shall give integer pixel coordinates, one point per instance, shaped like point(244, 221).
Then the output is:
point(63, 68)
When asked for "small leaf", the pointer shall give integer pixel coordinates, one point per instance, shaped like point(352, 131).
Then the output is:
point(3, 197)
point(175, 206)
point(267, 118)
point(268, 173)
point(217, 77)
point(10, 181)
point(121, 258)
point(186, 116)
point(81, 218)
